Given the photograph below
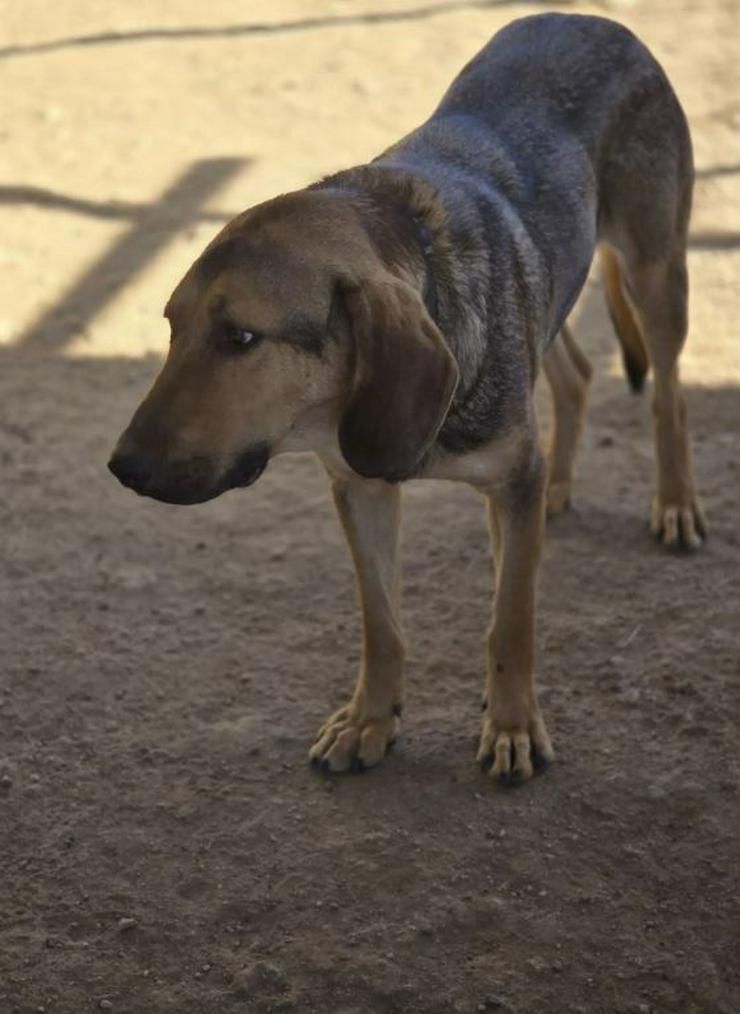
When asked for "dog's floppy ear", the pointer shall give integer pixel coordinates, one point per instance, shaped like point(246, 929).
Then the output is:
point(404, 379)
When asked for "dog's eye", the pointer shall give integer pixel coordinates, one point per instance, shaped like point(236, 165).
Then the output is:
point(234, 338)
point(244, 337)
point(241, 336)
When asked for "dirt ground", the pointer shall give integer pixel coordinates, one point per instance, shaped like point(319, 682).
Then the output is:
point(164, 845)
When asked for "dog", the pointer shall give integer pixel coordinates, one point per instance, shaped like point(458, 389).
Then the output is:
point(392, 319)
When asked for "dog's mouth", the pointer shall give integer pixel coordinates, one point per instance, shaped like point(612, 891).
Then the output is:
point(250, 477)
point(247, 468)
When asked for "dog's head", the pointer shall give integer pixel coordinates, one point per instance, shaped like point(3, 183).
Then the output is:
point(289, 332)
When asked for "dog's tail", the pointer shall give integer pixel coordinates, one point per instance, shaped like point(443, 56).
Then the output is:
point(634, 353)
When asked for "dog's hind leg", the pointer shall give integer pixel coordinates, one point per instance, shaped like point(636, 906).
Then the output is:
point(646, 186)
point(658, 291)
point(358, 735)
point(568, 372)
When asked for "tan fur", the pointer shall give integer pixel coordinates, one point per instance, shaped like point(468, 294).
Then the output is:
point(370, 513)
point(623, 318)
point(276, 393)
point(568, 372)
point(657, 294)
point(513, 730)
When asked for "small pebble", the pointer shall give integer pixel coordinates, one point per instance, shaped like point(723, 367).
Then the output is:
point(126, 924)
point(105, 1005)
point(258, 979)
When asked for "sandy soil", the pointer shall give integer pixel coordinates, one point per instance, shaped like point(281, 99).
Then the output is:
point(164, 846)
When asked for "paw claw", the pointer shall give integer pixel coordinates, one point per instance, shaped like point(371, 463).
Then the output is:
point(511, 756)
point(678, 527)
point(350, 743)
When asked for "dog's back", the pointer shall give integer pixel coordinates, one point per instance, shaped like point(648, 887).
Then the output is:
point(555, 72)
point(554, 127)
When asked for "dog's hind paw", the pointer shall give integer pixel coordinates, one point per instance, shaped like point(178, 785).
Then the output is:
point(558, 498)
point(678, 526)
point(347, 742)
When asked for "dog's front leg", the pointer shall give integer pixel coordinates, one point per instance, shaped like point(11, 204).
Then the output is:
point(514, 739)
point(358, 735)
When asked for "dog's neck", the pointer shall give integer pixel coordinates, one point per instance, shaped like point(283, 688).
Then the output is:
point(407, 222)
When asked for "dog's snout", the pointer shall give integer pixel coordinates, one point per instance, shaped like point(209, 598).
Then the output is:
point(130, 469)
point(183, 481)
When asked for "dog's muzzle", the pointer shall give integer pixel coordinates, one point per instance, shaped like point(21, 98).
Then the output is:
point(186, 482)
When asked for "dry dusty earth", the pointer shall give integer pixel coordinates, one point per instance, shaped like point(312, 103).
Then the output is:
point(164, 846)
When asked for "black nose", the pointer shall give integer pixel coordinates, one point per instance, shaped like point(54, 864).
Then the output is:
point(131, 470)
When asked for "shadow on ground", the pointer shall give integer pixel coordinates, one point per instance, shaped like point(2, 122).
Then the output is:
point(203, 32)
point(167, 848)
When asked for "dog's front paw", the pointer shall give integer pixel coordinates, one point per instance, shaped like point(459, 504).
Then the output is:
point(349, 742)
point(678, 525)
point(512, 753)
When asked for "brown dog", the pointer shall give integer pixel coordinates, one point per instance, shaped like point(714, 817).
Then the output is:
point(393, 317)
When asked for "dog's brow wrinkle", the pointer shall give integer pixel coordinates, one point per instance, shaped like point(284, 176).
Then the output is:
point(303, 325)
point(306, 333)
point(298, 322)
